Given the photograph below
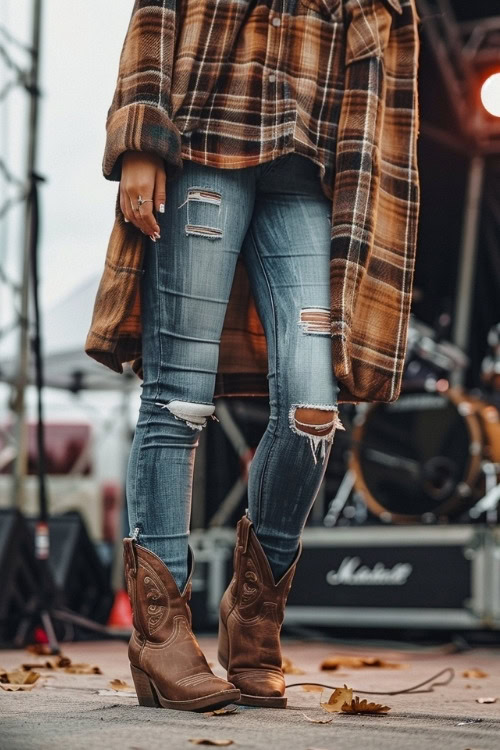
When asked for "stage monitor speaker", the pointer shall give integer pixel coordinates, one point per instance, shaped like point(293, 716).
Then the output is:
point(20, 573)
point(79, 574)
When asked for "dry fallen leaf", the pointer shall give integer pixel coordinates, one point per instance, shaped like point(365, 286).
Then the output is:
point(317, 721)
point(363, 707)
point(221, 711)
point(474, 673)
point(82, 669)
point(289, 667)
point(337, 699)
point(120, 685)
point(486, 700)
point(18, 680)
point(203, 741)
point(312, 689)
point(54, 662)
point(358, 662)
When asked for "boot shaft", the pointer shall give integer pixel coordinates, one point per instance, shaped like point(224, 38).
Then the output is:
point(253, 587)
point(154, 596)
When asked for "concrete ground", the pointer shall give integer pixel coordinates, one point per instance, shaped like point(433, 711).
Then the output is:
point(68, 711)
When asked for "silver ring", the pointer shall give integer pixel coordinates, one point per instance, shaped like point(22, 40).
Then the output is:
point(141, 200)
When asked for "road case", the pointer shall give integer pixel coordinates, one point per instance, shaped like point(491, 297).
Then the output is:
point(414, 576)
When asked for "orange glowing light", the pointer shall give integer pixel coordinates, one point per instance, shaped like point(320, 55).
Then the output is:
point(490, 94)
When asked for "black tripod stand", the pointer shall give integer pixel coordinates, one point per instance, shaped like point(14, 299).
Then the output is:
point(46, 606)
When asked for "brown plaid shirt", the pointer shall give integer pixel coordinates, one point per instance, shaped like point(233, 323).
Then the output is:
point(233, 83)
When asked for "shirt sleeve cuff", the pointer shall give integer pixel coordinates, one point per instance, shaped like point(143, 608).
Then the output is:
point(139, 127)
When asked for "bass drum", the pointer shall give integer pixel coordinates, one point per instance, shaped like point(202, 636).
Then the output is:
point(419, 458)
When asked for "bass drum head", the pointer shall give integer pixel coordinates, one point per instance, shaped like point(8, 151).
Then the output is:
point(418, 455)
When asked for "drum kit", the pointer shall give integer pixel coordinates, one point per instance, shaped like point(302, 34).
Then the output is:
point(434, 454)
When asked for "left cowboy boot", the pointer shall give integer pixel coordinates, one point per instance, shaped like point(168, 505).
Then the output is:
point(251, 615)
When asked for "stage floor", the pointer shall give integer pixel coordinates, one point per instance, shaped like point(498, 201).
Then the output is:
point(68, 712)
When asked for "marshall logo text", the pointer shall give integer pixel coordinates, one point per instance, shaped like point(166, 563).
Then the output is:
point(351, 574)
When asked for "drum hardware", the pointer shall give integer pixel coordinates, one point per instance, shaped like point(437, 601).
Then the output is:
point(490, 366)
point(429, 358)
point(433, 454)
point(340, 500)
point(491, 499)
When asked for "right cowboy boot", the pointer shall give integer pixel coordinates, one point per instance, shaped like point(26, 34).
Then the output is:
point(168, 667)
point(251, 615)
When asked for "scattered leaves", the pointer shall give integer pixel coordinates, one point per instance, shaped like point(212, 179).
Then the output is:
point(486, 700)
point(289, 667)
point(221, 711)
point(204, 741)
point(476, 673)
point(358, 706)
point(312, 688)
point(18, 680)
point(358, 662)
point(317, 721)
point(337, 699)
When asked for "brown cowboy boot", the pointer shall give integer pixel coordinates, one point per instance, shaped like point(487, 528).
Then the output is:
point(251, 615)
point(168, 667)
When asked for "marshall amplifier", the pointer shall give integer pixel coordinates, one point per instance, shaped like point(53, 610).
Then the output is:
point(396, 576)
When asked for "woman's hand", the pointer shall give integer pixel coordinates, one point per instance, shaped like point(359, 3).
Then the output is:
point(143, 174)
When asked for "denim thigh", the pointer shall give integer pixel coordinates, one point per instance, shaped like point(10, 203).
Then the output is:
point(287, 253)
point(187, 279)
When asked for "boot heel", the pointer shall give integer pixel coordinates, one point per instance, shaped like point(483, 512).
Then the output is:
point(223, 645)
point(146, 693)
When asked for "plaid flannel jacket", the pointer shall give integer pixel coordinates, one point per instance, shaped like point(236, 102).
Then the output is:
point(233, 83)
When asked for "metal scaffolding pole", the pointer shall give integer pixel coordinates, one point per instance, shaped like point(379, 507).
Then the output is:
point(19, 407)
point(467, 261)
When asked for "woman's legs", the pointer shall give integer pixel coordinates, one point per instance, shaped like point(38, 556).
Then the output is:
point(187, 279)
point(287, 253)
point(210, 215)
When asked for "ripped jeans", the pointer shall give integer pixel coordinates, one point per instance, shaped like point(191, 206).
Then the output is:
point(276, 215)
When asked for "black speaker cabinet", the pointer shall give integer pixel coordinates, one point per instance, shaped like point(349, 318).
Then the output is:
point(20, 574)
point(78, 572)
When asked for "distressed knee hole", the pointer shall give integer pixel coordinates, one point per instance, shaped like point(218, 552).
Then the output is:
point(315, 320)
point(202, 195)
point(193, 414)
point(316, 423)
